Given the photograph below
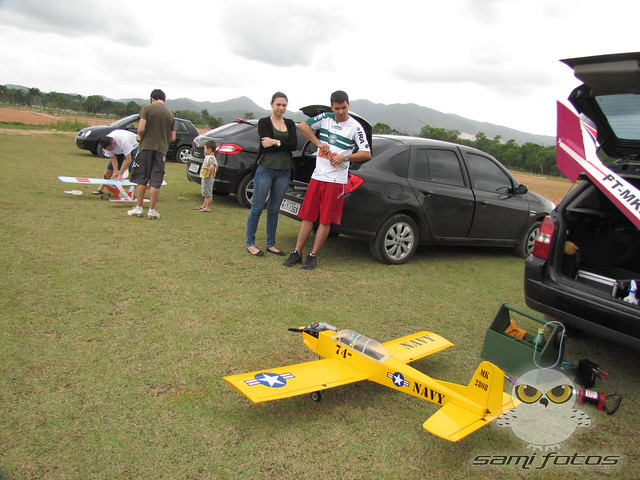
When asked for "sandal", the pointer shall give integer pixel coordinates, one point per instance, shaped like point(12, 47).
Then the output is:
point(279, 253)
point(97, 192)
point(259, 253)
point(204, 211)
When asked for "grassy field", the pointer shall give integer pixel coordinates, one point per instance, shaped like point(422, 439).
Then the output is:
point(115, 333)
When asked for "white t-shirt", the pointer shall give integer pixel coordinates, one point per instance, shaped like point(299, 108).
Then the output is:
point(125, 143)
point(342, 139)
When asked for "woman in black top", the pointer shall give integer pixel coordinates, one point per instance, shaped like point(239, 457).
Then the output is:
point(278, 139)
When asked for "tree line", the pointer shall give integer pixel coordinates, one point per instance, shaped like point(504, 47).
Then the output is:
point(529, 157)
point(93, 105)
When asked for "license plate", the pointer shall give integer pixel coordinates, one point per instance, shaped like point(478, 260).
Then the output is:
point(289, 207)
point(194, 167)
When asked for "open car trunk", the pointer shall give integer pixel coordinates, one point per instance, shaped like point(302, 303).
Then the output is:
point(609, 244)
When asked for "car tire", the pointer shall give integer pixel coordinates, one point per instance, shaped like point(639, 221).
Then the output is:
point(525, 247)
point(396, 240)
point(182, 154)
point(244, 192)
point(98, 152)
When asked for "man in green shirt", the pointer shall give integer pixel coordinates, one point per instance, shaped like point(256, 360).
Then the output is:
point(156, 130)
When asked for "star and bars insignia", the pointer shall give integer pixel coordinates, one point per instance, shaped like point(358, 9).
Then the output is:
point(272, 380)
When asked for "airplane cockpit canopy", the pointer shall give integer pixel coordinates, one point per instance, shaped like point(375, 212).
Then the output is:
point(362, 344)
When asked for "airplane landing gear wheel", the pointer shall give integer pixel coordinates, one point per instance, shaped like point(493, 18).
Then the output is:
point(316, 396)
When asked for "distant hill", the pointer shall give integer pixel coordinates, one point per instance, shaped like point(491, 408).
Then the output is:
point(410, 118)
point(406, 118)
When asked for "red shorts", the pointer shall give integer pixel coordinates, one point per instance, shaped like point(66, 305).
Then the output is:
point(323, 201)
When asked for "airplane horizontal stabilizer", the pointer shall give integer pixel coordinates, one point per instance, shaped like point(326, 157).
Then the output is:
point(418, 345)
point(298, 379)
point(453, 423)
point(459, 417)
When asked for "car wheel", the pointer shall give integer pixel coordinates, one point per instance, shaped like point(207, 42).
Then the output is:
point(525, 248)
point(182, 153)
point(98, 152)
point(244, 193)
point(396, 240)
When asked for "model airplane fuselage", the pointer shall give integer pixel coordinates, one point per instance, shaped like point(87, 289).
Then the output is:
point(350, 357)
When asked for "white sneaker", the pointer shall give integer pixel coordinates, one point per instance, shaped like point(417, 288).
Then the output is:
point(135, 212)
point(152, 214)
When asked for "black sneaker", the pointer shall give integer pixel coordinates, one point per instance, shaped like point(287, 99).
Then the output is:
point(311, 262)
point(294, 259)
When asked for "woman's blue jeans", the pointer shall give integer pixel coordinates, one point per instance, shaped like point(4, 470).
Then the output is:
point(271, 183)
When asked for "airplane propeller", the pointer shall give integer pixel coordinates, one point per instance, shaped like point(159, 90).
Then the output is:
point(314, 328)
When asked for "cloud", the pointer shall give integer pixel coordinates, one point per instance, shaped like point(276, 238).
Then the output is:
point(73, 18)
point(278, 32)
point(494, 60)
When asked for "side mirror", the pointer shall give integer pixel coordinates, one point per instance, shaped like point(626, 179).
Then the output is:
point(521, 189)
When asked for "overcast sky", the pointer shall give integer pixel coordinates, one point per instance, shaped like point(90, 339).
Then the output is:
point(488, 60)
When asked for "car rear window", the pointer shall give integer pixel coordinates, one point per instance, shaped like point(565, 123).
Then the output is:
point(623, 114)
point(230, 129)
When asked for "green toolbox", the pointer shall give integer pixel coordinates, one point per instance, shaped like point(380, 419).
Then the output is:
point(529, 343)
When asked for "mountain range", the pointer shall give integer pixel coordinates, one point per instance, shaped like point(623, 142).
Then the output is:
point(406, 118)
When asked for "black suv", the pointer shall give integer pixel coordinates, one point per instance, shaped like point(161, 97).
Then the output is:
point(422, 191)
point(236, 149)
point(586, 289)
point(88, 138)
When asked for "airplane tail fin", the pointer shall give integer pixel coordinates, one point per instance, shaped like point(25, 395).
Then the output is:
point(483, 400)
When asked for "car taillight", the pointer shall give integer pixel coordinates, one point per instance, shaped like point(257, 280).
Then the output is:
point(229, 148)
point(543, 240)
point(352, 183)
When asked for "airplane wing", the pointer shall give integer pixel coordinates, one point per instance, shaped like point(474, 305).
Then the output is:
point(284, 382)
point(418, 345)
point(94, 181)
point(98, 181)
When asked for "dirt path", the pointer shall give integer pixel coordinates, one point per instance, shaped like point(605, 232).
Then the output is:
point(552, 188)
point(35, 117)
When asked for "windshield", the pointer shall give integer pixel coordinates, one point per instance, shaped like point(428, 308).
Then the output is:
point(125, 121)
point(623, 114)
point(362, 344)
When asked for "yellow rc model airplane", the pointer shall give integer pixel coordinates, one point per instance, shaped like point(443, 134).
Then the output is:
point(349, 357)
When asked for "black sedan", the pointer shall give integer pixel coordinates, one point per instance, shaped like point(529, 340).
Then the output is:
point(88, 138)
point(421, 191)
point(236, 150)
